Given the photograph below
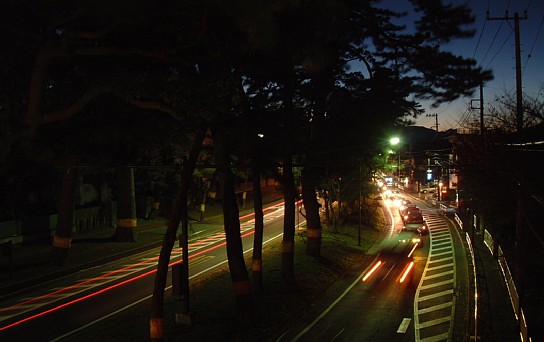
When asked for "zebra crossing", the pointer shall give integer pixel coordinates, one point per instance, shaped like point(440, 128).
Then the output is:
point(434, 304)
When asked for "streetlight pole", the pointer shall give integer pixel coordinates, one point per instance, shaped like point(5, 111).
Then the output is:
point(396, 141)
point(398, 166)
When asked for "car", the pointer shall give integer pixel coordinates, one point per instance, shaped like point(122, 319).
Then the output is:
point(412, 215)
point(447, 210)
point(419, 228)
point(397, 253)
point(399, 247)
point(406, 201)
point(428, 190)
point(404, 208)
point(410, 237)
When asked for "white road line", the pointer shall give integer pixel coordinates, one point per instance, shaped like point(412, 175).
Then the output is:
point(436, 307)
point(435, 295)
point(436, 338)
point(440, 283)
point(404, 326)
point(439, 275)
point(434, 322)
point(434, 261)
point(439, 267)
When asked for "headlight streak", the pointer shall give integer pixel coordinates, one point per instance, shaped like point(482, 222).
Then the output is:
point(407, 270)
point(372, 270)
point(413, 249)
point(277, 207)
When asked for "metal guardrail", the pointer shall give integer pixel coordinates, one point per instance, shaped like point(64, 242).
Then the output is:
point(511, 286)
point(507, 277)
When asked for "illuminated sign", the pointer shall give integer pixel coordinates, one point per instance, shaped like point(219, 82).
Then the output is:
point(429, 174)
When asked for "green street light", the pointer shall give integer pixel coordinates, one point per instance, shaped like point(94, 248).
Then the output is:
point(394, 140)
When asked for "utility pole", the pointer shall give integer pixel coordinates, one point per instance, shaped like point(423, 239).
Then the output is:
point(439, 168)
point(480, 108)
point(519, 94)
point(436, 120)
point(520, 245)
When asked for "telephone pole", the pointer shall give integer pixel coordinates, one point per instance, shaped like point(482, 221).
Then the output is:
point(436, 120)
point(520, 234)
point(481, 108)
point(519, 94)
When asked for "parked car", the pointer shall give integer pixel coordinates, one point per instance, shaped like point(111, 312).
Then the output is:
point(447, 210)
point(428, 190)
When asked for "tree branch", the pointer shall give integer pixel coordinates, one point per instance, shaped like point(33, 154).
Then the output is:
point(77, 106)
point(154, 106)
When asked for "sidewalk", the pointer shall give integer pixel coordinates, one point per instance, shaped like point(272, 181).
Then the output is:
point(92, 248)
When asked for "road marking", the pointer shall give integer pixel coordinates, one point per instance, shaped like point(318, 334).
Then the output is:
point(437, 275)
point(438, 294)
point(403, 327)
point(434, 322)
point(433, 285)
point(435, 295)
point(435, 307)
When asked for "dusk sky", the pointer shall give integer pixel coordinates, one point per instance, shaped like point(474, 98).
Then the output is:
point(493, 48)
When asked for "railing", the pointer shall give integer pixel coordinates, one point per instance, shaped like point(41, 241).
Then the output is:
point(506, 275)
point(510, 284)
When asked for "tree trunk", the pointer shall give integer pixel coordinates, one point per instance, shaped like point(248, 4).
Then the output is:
point(179, 213)
point(63, 234)
point(231, 217)
point(288, 242)
point(126, 205)
point(309, 183)
point(257, 261)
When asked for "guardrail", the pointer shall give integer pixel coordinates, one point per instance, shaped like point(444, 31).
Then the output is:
point(510, 284)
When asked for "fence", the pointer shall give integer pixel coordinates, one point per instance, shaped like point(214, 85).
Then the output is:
point(43, 227)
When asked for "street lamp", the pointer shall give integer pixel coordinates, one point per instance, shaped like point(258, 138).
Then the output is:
point(396, 141)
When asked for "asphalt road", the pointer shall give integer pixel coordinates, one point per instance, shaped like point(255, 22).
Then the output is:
point(425, 305)
point(377, 307)
point(58, 309)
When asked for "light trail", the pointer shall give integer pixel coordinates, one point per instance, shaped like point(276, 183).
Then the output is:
point(372, 270)
point(79, 287)
point(407, 270)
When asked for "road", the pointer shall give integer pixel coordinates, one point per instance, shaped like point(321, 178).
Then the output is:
point(60, 308)
point(380, 308)
point(376, 306)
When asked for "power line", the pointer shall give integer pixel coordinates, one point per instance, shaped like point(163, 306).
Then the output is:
point(492, 42)
point(519, 96)
point(529, 5)
point(534, 43)
point(464, 117)
point(479, 39)
point(499, 50)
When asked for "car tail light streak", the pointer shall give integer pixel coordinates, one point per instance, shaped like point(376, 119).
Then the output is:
point(204, 244)
point(406, 271)
point(372, 270)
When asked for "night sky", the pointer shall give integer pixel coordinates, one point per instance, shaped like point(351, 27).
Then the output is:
point(493, 48)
